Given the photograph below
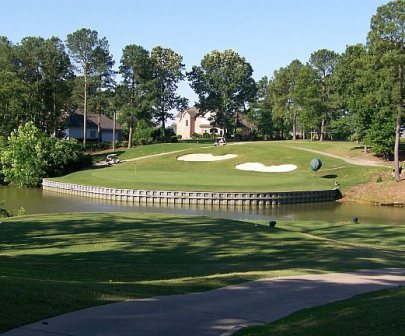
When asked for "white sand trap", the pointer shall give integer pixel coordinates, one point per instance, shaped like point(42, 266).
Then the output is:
point(205, 157)
point(260, 167)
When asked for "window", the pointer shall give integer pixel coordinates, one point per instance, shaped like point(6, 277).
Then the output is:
point(93, 134)
point(186, 122)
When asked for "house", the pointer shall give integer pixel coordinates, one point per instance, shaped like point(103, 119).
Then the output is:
point(75, 128)
point(189, 122)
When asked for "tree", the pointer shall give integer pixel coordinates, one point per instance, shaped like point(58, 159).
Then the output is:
point(137, 88)
point(29, 155)
point(261, 109)
point(36, 83)
point(24, 159)
point(58, 77)
point(168, 70)
point(386, 40)
point(84, 48)
point(294, 90)
point(356, 82)
point(324, 62)
point(103, 80)
point(224, 85)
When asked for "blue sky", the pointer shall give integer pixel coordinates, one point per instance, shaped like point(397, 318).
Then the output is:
point(268, 33)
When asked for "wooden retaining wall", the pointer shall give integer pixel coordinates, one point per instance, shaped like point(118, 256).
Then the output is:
point(192, 197)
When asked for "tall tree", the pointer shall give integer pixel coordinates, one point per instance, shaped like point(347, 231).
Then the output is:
point(387, 42)
point(84, 48)
point(324, 61)
point(12, 88)
point(44, 68)
point(261, 109)
point(58, 77)
point(356, 83)
point(294, 90)
point(137, 71)
point(103, 82)
point(168, 71)
point(224, 84)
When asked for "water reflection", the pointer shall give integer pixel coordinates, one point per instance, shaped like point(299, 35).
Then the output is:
point(38, 201)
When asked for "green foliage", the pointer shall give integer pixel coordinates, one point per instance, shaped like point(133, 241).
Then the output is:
point(30, 155)
point(223, 83)
point(65, 157)
point(381, 135)
point(136, 95)
point(168, 71)
point(24, 160)
point(261, 109)
point(386, 41)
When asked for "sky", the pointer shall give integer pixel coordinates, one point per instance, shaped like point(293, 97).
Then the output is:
point(268, 33)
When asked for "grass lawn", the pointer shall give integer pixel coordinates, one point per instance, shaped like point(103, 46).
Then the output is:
point(167, 173)
point(379, 314)
point(138, 151)
point(51, 264)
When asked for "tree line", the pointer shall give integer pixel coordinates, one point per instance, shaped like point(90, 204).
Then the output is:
point(357, 94)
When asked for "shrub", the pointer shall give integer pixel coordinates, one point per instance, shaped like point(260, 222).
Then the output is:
point(24, 159)
point(66, 157)
point(30, 155)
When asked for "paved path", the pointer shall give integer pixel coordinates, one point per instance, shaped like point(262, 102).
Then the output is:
point(217, 312)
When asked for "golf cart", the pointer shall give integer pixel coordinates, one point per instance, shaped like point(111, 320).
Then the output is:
point(112, 159)
point(221, 141)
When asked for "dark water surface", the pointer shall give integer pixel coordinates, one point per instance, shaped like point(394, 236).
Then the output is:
point(36, 201)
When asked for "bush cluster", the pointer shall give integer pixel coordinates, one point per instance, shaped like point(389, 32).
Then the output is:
point(29, 155)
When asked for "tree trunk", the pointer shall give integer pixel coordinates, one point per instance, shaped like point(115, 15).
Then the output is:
point(85, 108)
point(322, 129)
point(114, 127)
point(399, 122)
point(130, 137)
point(99, 126)
point(294, 127)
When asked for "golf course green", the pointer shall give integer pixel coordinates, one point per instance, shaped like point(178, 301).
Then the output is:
point(165, 172)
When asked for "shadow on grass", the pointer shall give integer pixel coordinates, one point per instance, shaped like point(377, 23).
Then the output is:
point(55, 264)
point(330, 176)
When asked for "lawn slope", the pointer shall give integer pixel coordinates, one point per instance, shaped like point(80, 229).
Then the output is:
point(52, 264)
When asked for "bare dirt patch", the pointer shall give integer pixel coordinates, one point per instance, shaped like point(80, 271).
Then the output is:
point(385, 192)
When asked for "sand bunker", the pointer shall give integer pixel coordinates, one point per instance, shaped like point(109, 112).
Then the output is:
point(205, 157)
point(259, 167)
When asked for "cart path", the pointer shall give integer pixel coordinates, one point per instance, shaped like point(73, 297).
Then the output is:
point(360, 162)
point(217, 312)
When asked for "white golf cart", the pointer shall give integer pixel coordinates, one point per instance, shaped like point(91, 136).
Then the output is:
point(221, 141)
point(112, 159)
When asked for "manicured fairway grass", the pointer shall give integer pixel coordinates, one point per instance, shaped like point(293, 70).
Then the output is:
point(167, 173)
point(378, 314)
point(138, 151)
point(51, 264)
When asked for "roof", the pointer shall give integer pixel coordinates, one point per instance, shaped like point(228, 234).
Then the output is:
point(193, 111)
point(76, 120)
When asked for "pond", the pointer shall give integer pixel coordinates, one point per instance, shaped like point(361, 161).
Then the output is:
point(36, 201)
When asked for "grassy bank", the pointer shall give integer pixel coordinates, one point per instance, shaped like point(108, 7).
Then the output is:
point(167, 173)
point(379, 314)
point(53, 264)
